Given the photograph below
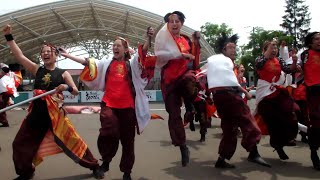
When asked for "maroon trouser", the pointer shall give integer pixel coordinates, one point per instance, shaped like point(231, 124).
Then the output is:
point(184, 87)
point(201, 115)
point(3, 104)
point(278, 114)
point(117, 124)
point(28, 140)
point(303, 114)
point(235, 113)
point(3, 115)
point(313, 99)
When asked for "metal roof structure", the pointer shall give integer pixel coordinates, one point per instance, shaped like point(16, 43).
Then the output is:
point(74, 23)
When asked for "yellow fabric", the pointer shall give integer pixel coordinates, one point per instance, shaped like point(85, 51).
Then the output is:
point(63, 130)
point(90, 72)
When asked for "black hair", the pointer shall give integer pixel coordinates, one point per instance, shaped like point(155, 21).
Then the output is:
point(223, 40)
point(178, 13)
point(308, 39)
point(5, 69)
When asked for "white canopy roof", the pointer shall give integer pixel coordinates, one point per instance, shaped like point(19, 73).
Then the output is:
point(75, 23)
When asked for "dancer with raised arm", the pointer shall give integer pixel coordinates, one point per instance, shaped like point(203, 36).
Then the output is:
point(124, 104)
point(311, 70)
point(274, 104)
point(46, 122)
point(177, 57)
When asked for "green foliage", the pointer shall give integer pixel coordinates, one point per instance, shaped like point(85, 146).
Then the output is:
point(211, 32)
point(258, 36)
point(253, 49)
point(296, 21)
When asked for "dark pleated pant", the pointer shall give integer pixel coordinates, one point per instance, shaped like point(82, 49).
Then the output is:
point(201, 115)
point(313, 99)
point(183, 88)
point(3, 104)
point(117, 125)
point(235, 113)
point(29, 138)
point(278, 114)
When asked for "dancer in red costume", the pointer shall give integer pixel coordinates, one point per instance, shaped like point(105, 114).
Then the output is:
point(311, 68)
point(46, 119)
point(274, 103)
point(9, 81)
point(234, 113)
point(124, 104)
point(178, 57)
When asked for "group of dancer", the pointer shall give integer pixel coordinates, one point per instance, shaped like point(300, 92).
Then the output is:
point(125, 108)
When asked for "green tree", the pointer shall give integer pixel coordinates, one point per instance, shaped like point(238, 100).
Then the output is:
point(296, 21)
point(259, 36)
point(256, 40)
point(211, 32)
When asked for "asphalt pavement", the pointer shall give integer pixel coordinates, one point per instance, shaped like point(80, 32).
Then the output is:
point(158, 159)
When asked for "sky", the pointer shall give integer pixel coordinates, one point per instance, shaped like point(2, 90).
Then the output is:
point(240, 15)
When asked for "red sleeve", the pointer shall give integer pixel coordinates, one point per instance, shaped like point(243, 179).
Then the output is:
point(148, 63)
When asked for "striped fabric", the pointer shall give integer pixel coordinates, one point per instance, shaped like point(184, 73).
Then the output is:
point(64, 137)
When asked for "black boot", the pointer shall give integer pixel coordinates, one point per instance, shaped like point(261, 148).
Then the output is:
point(192, 127)
point(24, 177)
point(126, 176)
point(255, 157)
point(4, 125)
point(221, 163)
point(282, 154)
point(291, 143)
point(203, 137)
point(304, 138)
point(98, 173)
point(104, 166)
point(315, 160)
point(184, 155)
point(188, 117)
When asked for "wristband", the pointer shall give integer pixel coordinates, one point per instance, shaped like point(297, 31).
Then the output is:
point(70, 89)
point(9, 37)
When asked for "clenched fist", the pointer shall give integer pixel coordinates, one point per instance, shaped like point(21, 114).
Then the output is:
point(7, 30)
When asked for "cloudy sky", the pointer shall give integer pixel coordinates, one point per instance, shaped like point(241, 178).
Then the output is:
point(240, 15)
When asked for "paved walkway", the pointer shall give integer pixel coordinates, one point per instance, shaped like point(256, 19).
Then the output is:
point(157, 159)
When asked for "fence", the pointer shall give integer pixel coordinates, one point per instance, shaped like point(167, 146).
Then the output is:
point(88, 96)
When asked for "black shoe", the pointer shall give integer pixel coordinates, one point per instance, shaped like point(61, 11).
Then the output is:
point(104, 167)
point(291, 143)
point(239, 133)
point(258, 159)
point(282, 154)
point(98, 173)
point(4, 125)
point(188, 117)
point(222, 164)
point(185, 153)
point(304, 139)
point(315, 160)
point(192, 127)
point(203, 138)
point(126, 176)
point(24, 177)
